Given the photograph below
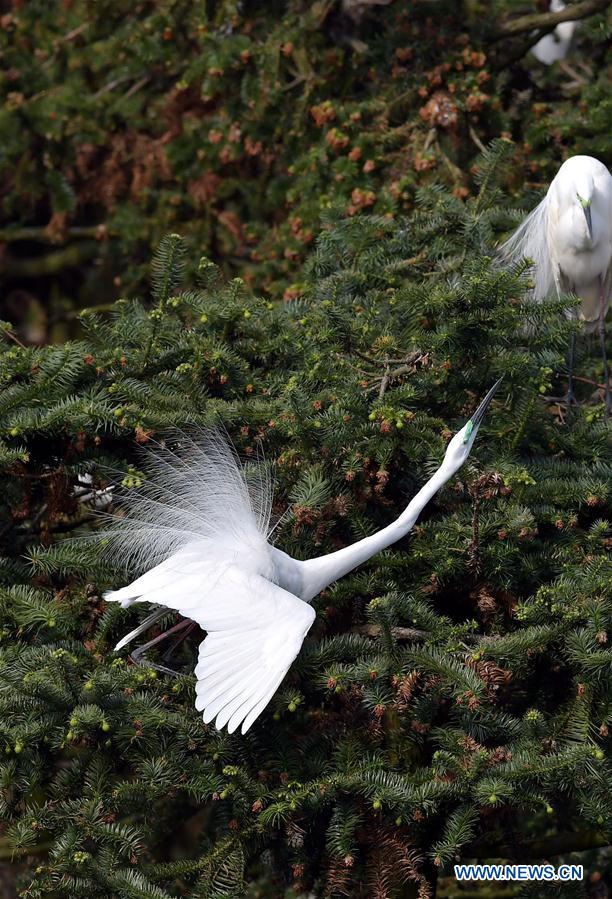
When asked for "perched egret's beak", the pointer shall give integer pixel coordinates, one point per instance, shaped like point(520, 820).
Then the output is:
point(587, 215)
point(479, 414)
point(586, 208)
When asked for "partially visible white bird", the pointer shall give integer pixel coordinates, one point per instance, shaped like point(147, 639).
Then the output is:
point(202, 528)
point(555, 45)
point(569, 238)
point(85, 492)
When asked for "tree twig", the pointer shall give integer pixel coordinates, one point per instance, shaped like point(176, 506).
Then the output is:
point(136, 87)
point(407, 367)
point(111, 85)
point(546, 21)
point(457, 174)
point(401, 634)
point(40, 233)
point(533, 27)
point(384, 382)
point(12, 336)
point(476, 139)
point(579, 80)
point(65, 39)
point(431, 135)
point(51, 263)
point(391, 376)
point(474, 561)
point(8, 853)
point(588, 381)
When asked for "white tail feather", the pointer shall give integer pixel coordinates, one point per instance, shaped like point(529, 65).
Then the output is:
point(196, 491)
point(530, 241)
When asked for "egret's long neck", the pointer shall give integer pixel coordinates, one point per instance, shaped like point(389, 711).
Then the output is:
point(319, 573)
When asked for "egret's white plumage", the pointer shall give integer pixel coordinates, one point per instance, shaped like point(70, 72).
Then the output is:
point(555, 46)
point(568, 254)
point(569, 238)
point(200, 494)
point(200, 529)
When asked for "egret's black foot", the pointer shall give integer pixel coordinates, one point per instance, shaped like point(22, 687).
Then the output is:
point(138, 657)
point(570, 398)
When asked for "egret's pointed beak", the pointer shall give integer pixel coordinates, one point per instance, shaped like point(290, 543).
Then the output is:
point(479, 414)
point(589, 220)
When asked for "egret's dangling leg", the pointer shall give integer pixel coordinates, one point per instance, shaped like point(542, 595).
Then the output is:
point(138, 655)
point(142, 627)
point(602, 340)
point(180, 639)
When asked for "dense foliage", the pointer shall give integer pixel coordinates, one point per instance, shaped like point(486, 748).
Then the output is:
point(453, 697)
point(237, 124)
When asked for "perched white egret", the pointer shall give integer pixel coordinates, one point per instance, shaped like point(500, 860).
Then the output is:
point(555, 45)
point(202, 527)
point(569, 238)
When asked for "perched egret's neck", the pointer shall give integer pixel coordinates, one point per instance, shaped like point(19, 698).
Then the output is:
point(320, 573)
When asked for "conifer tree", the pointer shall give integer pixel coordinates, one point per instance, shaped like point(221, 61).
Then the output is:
point(236, 124)
point(453, 698)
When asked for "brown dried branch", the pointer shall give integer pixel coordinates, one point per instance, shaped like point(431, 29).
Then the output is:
point(408, 366)
point(8, 333)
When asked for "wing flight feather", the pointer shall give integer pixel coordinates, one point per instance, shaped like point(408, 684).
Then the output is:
point(255, 629)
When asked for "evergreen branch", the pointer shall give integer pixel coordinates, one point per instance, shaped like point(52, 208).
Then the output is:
point(9, 853)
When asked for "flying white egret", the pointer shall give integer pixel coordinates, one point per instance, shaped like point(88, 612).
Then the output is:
point(203, 523)
point(555, 45)
point(569, 238)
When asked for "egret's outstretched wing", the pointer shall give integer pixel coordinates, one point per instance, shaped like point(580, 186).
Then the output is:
point(183, 567)
point(255, 631)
